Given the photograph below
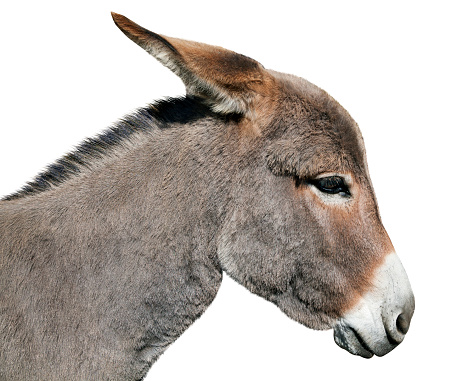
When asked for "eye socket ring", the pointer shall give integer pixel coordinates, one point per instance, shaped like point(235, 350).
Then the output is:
point(331, 185)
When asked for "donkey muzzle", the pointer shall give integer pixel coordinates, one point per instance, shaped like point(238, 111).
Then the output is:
point(381, 318)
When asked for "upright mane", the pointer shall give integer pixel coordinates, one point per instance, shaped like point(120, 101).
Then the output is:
point(160, 114)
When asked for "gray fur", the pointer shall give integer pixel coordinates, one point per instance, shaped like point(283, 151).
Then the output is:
point(108, 256)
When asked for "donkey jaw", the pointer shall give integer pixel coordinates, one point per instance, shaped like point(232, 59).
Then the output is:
point(381, 318)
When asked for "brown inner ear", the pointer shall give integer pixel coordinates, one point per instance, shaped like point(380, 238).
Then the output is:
point(221, 66)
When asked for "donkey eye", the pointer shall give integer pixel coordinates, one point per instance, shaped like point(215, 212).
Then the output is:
point(331, 185)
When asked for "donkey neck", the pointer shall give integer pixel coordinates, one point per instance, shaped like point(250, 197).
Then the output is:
point(135, 231)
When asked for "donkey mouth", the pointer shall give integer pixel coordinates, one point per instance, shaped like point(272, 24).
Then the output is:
point(350, 340)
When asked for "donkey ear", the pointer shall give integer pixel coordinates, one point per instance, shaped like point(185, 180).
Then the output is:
point(227, 80)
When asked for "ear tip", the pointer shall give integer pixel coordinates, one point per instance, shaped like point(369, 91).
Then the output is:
point(117, 18)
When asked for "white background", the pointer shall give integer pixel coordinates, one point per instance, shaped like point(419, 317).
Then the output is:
point(67, 72)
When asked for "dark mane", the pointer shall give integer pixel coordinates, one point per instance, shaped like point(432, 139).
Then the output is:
point(157, 115)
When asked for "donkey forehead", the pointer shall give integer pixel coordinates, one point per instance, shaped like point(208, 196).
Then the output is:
point(314, 133)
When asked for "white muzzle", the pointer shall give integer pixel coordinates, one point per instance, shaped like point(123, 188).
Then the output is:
point(380, 320)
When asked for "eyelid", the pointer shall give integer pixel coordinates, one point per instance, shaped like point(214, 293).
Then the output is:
point(345, 176)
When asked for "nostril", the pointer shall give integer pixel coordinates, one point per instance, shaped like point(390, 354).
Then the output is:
point(403, 323)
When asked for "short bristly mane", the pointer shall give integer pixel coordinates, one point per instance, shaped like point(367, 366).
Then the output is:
point(157, 115)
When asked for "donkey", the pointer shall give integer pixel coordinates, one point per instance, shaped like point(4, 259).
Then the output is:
point(112, 252)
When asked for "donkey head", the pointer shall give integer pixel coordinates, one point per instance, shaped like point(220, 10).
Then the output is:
point(300, 222)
